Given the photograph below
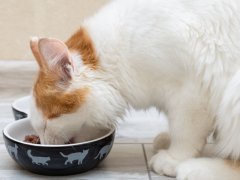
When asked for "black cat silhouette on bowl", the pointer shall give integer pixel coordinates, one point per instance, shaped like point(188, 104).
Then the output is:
point(55, 159)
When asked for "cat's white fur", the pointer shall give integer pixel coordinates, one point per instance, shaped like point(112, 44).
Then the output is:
point(181, 56)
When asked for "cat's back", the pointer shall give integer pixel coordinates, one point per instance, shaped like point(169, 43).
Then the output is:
point(180, 24)
point(155, 14)
point(175, 8)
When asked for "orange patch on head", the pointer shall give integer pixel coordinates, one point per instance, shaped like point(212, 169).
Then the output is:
point(82, 43)
point(53, 101)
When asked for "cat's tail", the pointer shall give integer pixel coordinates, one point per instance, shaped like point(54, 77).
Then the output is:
point(63, 155)
point(29, 153)
point(161, 141)
point(209, 168)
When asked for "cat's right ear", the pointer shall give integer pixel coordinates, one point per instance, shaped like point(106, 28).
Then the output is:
point(52, 55)
point(35, 50)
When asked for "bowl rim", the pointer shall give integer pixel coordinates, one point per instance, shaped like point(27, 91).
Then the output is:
point(5, 133)
point(17, 101)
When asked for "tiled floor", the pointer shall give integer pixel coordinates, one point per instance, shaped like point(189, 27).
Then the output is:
point(127, 160)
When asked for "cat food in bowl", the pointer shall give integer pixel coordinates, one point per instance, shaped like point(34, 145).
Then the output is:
point(54, 159)
point(34, 139)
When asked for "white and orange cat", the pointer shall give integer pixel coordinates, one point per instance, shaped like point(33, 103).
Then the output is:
point(181, 56)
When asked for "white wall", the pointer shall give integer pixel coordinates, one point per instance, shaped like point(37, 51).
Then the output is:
point(21, 19)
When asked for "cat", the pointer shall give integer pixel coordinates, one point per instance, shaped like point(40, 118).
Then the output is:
point(103, 151)
point(78, 156)
point(13, 150)
point(39, 160)
point(181, 56)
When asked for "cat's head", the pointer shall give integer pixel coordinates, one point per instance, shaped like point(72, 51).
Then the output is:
point(70, 90)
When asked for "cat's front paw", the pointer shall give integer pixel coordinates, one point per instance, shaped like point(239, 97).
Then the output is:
point(164, 164)
point(195, 169)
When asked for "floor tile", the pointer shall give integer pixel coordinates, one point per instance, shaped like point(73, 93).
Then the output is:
point(17, 74)
point(6, 111)
point(16, 79)
point(6, 117)
point(8, 95)
point(127, 140)
point(126, 161)
point(149, 154)
point(3, 123)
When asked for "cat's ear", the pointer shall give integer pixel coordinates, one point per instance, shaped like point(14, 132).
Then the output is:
point(53, 55)
point(34, 46)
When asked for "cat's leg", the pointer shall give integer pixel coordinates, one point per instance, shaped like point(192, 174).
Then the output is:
point(161, 141)
point(208, 169)
point(190, 122)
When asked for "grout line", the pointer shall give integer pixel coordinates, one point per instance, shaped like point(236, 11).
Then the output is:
point(146, 161)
